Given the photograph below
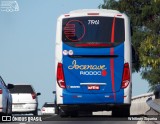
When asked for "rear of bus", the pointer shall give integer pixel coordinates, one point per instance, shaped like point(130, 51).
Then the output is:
point(93, 61)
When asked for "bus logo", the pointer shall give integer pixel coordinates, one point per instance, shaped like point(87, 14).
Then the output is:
point(100, 70)
point(70, 30)
point(104, 72)
point(85, 67)
point(9, 6)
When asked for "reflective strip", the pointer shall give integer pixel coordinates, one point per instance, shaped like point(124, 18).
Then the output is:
point(92, 83)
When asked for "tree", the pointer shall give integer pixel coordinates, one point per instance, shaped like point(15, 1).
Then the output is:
point(145, 21)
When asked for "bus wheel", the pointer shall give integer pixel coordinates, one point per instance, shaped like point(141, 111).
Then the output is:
point(121, 112)
point(74, 113)
point(63, 113)
point(56, 110)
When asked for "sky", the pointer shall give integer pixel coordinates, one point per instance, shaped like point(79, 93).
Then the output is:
point(27, 44)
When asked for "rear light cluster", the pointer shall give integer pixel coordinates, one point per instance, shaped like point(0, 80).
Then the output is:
point(126, 76)
point(0, 91)
point(33, 95)
point(60, 76)
point(43, 109)
point(66, 15)
point(93, 14)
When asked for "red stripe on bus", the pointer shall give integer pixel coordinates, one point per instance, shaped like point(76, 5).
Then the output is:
point(113, 28)
point(112, 72)
point(112, 59)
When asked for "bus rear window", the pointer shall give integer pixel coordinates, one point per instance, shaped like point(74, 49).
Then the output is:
point(80, 31)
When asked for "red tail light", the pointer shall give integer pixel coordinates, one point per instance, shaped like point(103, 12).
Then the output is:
point(0, 91)
point(93, 13)
point(126, 76)
point(33, 95)
point(60, 76)
point(66, 15)
point(43, 109)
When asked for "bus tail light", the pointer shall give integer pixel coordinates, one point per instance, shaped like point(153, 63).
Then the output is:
point(0, 91)
point(33, 95)
point(66, 15)
point(60, 76)
point(92, 14)
point(43, 109)
point(126, 76)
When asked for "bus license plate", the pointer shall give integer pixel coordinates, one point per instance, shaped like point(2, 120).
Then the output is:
point(93, 87)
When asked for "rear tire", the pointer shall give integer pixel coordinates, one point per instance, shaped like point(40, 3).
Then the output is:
point(62, 113)
point(156, 95)
point(121, 112)
point(74, 114)
point(56, 109)
point(35, 113)
point(7, 110)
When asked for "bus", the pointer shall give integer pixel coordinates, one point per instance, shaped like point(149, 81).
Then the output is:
point(93, 62)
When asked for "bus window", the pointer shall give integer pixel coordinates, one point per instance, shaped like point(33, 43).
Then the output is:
point(81, 30)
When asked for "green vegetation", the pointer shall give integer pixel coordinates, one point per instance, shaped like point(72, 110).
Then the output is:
point(145, 21)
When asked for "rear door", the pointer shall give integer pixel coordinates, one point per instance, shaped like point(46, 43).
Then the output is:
point(22, 94)
point(93, 54)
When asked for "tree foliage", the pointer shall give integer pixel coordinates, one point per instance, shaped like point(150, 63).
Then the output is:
point(145, 20)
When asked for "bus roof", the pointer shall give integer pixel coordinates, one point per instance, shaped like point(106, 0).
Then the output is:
point(94, 11)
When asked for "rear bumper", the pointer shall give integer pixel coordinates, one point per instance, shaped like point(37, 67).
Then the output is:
point(94, 98)
point(93, 107)
point(25, 108)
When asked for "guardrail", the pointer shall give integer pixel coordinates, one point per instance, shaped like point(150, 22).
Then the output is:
point(154, 104)
point(154, 109)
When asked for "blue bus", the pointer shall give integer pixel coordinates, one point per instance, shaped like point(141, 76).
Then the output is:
point(93, 62)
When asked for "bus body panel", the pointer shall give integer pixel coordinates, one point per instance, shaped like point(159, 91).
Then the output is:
point(58, 58)
point(76, 91)
point(128, 58)
point(93, 98)
point(77, 76)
